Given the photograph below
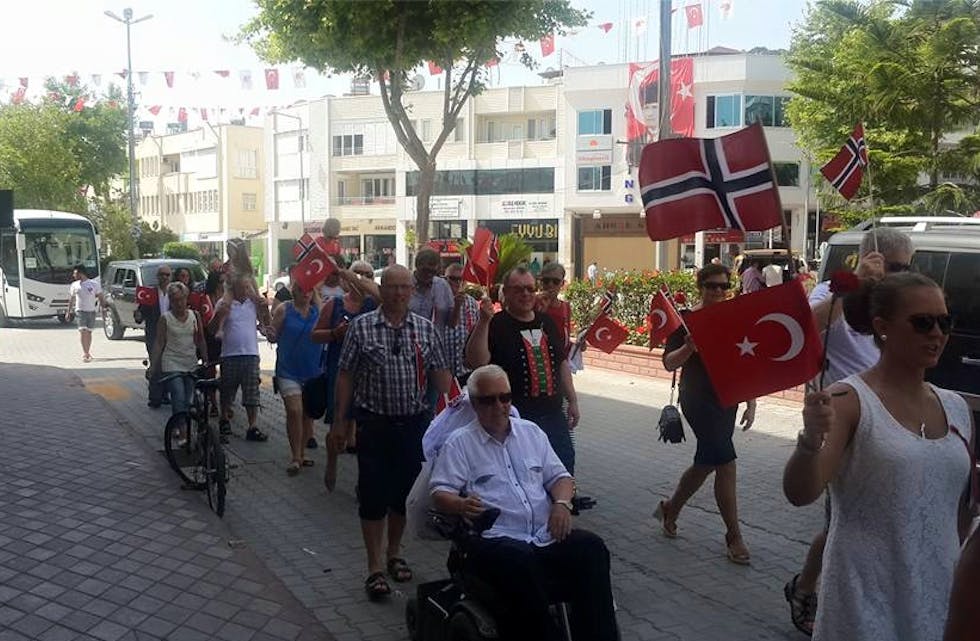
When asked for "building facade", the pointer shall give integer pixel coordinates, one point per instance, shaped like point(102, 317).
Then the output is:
point(206, 185)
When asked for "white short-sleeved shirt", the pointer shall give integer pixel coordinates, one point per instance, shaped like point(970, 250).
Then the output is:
point(86, 292)
point(514, 476)
point(848, 351)
point(239, 330)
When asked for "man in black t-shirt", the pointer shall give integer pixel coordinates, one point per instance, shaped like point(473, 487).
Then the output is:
point(529, 347)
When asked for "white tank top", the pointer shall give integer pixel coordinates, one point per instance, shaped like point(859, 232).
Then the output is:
point(180, 354)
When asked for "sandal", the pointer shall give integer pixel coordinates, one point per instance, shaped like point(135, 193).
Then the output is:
point(308, 462)
point(399, 570)
point(669, 526)
point(377, 586)
point(293, 468)
point(255, 434)
point(802, 607)
point(737, 552)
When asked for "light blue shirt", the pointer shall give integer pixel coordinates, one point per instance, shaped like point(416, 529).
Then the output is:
point(514, 476)
point(434, 304)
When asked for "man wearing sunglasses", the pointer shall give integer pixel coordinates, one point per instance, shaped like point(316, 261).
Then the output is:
point(531, 551)
point(529, 346)
point(882, 251)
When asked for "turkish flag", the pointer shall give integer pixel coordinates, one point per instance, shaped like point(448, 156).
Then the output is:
point(446, 400)
point(662, 319)
point(606, 334)
point(547, 45)
point(224, 73)
point(606, 27)
point(759, 343)
point(201, 302)
point(79, 104)
point(482, 258)
point(434, 69)
point(169, 77)
point(642, 89)
point(147, 296)
point(271, 79)
point(691, 184)
point(313, 268)
point(155, 110)
point(182, 115)
point(695, 15)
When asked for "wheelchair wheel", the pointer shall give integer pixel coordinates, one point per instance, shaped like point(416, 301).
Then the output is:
point(412, 619)
point(462, 627)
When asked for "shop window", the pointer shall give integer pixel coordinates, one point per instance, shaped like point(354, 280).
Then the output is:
point(787, 174)
point(595, 178)
point(724, 111)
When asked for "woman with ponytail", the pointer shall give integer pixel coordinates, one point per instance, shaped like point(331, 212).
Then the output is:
point(895, 452)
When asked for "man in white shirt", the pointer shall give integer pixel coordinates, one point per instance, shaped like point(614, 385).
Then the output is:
point(531, 556)
point(592, 272)
point(82, 296)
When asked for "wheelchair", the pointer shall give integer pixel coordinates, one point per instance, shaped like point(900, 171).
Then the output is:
point(460, 608)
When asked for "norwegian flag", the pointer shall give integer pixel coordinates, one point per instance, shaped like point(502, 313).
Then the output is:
point(608, 298)
point(692, 184)
point(448, 399)
point(147, 296)
point(304, 245)
point(846, 169)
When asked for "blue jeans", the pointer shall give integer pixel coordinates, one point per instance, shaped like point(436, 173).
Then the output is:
point(555, 426)
point(181, 389)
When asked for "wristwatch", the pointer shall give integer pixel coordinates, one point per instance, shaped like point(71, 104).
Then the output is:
point(803, 443)
point(565, 503)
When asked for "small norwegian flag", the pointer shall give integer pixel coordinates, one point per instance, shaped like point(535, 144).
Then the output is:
point(846, 169)
point(448, 399)
point(608, 298)
point(303, 246)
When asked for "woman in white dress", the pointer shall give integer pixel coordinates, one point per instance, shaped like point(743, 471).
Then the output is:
point(895, 453)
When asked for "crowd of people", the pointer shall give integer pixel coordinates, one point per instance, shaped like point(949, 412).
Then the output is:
point(890, 452)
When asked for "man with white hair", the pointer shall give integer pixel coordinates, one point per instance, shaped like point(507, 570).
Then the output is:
point(531, 556)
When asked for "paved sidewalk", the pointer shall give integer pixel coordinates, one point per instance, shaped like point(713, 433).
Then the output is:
point(96, 542)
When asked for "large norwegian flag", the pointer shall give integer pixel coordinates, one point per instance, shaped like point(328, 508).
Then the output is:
point(691, 184)
point(643, 79)
point(757, 344)
point(846, 169)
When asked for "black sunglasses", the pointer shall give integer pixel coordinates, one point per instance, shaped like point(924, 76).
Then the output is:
point(530, 289)
point(894, 268)
point(551, 281)
point(923, 323)
point(488, 401)
point(717, 286)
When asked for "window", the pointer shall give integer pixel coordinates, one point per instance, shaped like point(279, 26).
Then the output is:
point(787, 174)
point(426, 130)
point(594, 123)
point(378, 189)
point(595, 178)
point(348, 145)
point(541, 129)
point(484, 182)
point(759, 109)
point(248, 163)
point(459, 133)
point(249, 202)
point(963, 291)
point(491, 131)
point(724, 111)
point(341, 191)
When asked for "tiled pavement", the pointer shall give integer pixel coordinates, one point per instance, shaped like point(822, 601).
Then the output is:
point(681, 589)
point(97, 543)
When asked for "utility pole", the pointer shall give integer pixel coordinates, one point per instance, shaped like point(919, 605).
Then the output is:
point(128, 20)
point(663, 102)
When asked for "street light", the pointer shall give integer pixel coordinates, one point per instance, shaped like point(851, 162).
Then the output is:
point(127, 20)
point(302, 185)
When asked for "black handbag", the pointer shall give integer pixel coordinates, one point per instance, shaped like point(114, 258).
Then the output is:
point(670, 423)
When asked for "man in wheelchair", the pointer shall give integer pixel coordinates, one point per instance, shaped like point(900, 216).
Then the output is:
point(531, 556)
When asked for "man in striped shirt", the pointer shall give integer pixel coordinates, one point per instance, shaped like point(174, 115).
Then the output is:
point(462, 320)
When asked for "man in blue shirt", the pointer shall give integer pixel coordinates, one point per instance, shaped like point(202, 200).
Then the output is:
point(531, 556)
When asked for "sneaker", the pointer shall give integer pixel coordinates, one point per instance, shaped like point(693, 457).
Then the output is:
point(311, 444)
point(255, 434)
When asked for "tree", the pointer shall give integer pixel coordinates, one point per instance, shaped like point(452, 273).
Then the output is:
point(908, 70)
point(387, 39)
point(176, 249)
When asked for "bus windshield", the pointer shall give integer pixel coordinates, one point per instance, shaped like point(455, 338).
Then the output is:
point(51, 253)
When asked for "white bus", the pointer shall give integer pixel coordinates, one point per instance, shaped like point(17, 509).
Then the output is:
point(37, 257)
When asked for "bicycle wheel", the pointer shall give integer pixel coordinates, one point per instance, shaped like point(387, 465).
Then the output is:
point(216, 470)
point(182, 447)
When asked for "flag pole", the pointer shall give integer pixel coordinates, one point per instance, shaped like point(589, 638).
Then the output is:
point(871, 193)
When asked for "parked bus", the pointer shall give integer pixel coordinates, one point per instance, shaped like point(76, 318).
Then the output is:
point(37, 257)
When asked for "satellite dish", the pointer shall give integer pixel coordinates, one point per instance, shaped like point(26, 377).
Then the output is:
point(417, 83)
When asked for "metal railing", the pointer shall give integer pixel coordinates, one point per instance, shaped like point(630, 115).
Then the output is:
point(364, 200)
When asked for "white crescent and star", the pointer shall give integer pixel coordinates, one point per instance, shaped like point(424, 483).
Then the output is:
point(684, 91)
point(316, 266)
point(663, 318)
point(599, 334)
point(796, 337)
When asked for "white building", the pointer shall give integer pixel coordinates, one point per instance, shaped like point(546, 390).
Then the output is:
point(536, 161)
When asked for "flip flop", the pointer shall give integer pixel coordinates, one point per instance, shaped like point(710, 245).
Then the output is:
point(669, 527)
point(377, 586)
point(293, 468)
point(737, 552)
point(308, 462)
point(399, 570)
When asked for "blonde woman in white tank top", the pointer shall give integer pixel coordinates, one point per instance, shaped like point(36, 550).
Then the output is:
point(180, 338)
point(895, 452)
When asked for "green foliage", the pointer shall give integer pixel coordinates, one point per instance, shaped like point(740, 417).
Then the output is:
point(513, 252)
point(152, 241)
point(908, 71)
point(176, 249)
point(387, 39)
point(633, 292)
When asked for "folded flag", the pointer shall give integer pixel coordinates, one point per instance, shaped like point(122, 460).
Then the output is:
point(447, 399)
point(757, 344)
point(846, 169)
point(692, 184)
point(482, 258)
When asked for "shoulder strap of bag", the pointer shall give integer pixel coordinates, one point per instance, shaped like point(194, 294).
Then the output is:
point(673, 386)
point(974, 474)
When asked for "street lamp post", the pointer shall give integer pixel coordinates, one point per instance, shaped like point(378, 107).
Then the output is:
point(128, 20)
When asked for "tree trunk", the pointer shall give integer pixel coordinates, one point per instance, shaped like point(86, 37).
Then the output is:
point(426, 185)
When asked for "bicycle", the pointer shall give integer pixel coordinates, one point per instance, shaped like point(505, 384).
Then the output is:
point(192, 444)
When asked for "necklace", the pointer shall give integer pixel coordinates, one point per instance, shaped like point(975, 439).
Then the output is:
point(922, 430)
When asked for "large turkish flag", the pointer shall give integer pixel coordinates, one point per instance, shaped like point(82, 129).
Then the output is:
point(606, 334)
point(643, 79)
point(757, 344)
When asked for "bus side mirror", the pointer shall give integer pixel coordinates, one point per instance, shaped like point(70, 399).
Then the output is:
point(21, 242)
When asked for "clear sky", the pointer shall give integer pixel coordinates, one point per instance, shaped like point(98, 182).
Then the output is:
point(57, 37)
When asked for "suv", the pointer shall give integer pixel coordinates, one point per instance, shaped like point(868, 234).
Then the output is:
point(120, 280)
point(947, 250)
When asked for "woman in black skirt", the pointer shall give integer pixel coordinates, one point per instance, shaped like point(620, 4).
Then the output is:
point(713, 425)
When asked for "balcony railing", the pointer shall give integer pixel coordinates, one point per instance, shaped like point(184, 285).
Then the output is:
point(364, 200)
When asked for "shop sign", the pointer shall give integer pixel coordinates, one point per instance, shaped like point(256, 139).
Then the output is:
point(593, 143)
point(629, 187)
point(539, 229)
point(524, 207)
point(443, 208)
point(599, 157)
point(614, 225)
point(445, 247)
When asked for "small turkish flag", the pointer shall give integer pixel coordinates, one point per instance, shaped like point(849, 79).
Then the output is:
point(547, 45)
point(271, 79)
point(695, 15)
point(200, 302)
point(169, 77)
point(313, 268)
point(182, 115)
point(434, 69)
point(606, 27)
point(606, 334)
point(757, 344)
point(662, 320)
point(446, 400)
point(155, 110)
point(147, 296)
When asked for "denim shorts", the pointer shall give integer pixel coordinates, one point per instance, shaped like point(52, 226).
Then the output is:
point(85, 320)
point(289, 386)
